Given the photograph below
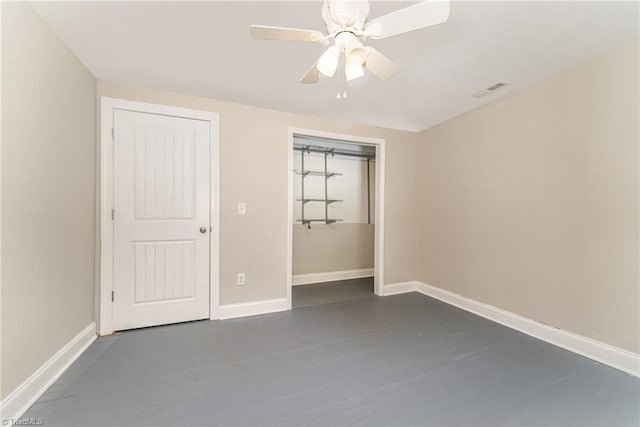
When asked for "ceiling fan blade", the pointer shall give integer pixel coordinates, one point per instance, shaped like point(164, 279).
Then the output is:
point(417, 16)
point(379, 65)
point(262, 32)
point(312, 75)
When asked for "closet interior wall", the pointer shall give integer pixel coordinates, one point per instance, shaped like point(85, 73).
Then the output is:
point(334, 191)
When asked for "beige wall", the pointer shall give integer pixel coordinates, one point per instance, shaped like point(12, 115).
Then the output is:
point(530, 204)
point(48, 192)
point(253, 169)
point(335, 247)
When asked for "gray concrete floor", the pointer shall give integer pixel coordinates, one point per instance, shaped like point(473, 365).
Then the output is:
point(330, 292)
point(398, 360)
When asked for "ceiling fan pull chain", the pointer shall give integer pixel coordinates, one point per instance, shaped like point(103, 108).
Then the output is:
point(345, 82)
point(339, 83)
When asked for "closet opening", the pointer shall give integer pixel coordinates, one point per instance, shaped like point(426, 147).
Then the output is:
point(335, 200)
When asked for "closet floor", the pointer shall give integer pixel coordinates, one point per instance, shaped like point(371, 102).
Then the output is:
point(331, 292)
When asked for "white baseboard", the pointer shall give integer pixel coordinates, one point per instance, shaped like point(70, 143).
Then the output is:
point(19, 400)
point(400, 288)
point(231, 311)
point(607, 354)
point(331, 276)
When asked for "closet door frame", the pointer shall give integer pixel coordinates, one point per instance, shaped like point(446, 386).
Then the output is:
point(379, 145)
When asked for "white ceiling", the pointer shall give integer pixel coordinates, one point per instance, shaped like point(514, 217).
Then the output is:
point(204, 49)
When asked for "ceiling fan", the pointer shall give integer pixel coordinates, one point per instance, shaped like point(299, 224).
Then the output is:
point(347, 26)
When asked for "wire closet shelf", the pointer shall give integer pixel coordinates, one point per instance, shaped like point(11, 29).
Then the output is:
point(326, 200)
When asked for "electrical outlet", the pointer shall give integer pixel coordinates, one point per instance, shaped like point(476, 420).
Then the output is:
point(240, 279)
point(242, 208)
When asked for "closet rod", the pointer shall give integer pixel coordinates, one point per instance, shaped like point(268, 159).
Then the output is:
point(310, 149)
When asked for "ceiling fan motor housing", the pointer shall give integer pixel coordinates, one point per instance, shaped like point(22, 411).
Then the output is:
point(345, 13)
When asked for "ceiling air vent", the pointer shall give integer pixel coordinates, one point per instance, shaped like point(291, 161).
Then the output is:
point(490, 89)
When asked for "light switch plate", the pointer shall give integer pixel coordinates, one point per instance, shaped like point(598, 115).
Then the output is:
point(242, 208)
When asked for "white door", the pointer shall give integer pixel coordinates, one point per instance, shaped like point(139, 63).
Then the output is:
point(161, 219)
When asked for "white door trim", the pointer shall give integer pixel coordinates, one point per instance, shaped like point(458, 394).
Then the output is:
point(379, 144)
point(107, 110)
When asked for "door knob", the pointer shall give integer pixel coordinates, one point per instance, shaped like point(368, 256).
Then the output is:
point(203, 230)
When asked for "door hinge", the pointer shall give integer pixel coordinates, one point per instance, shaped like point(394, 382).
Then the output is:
point(113, 134)
point(113, 214)
point(113, 296)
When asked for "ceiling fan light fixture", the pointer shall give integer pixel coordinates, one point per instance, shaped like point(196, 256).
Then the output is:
point(355, 52)
point(344, 38)
point(347, 25)
point(328, 62)
point(353, 71)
